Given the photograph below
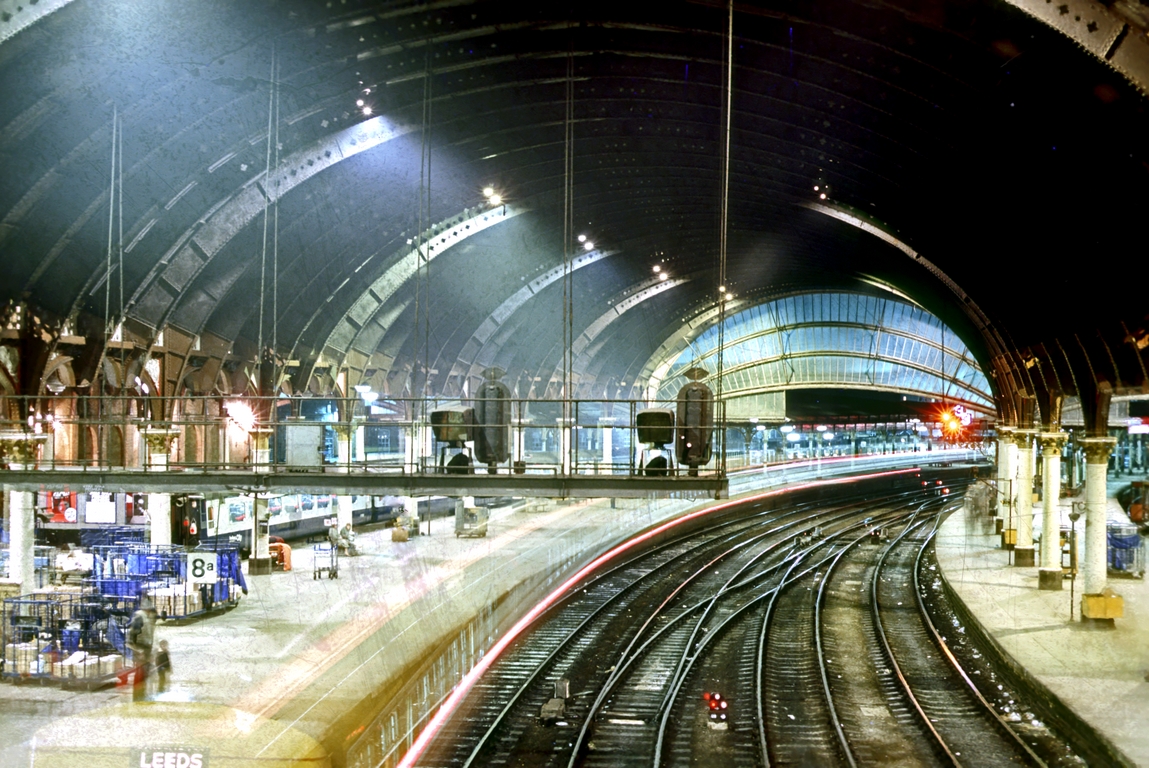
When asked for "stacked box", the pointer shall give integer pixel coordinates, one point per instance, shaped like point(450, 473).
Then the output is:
point(111, 664)
point(22, 658)
point(72, 666)
point(182, 599)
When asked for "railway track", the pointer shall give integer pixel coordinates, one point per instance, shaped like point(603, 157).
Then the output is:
point(806, 622)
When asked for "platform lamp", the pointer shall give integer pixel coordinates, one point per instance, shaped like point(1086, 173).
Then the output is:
point(1075, 510)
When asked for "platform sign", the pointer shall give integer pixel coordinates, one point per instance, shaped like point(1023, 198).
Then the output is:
point(202, 567)
point(169, 757)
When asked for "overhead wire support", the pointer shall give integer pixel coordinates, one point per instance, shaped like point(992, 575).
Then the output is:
point(427, 219)
point(275, 370)
point(108, 326)
point(422, 331)
point(111, 220)
point(724, 223)
point(568, 230)
point(120, 233)
point(268, 192)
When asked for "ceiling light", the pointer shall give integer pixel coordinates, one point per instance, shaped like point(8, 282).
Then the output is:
point(822, 196)
point(657, 269)
point(588, 245)
point(582, 238)
point(488, 191)
point(359, 103)
point(495, 199)
point(722, 289)
point(815, 187)
point(367, 110)
point(663, 276)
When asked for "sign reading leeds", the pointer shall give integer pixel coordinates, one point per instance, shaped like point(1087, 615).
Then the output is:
point(169, 757)
point(202, 568)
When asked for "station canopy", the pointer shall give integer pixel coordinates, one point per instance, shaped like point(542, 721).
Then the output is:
point(826, 341)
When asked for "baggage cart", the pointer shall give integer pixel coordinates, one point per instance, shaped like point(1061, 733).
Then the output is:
point(471, 522)
point(326, 560)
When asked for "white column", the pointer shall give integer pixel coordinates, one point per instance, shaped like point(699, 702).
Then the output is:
point(259, 547)
point(343, 437)
point(411, 508)
point(418, 443)
point(158, 440)
point(1097, 450)
point(343, 507)
point(1049, 577)
point(159, 504)
point(1005, 472)
point(607, 425)
point(22, 539)
point(345, 434)
point(21, 450)
point(160, 515)
point(1023, 549)
point(564, 445)
point(408, 439)
point(518, 438)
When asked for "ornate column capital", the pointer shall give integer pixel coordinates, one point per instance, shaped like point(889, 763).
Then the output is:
point(1023, 438)
point(20, 447)
point(1097, 449)
point(1051, 443)
point(343, 429)
point(159, 438)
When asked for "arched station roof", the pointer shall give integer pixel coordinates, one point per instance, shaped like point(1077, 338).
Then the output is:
point(834, 341)
point(284, 163)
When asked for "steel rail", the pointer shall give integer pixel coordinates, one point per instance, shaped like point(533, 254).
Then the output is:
point(594, 614)
point(745, 522)
point(885, 644)
point(629, 657)
point(941, 643)
point(760, 669)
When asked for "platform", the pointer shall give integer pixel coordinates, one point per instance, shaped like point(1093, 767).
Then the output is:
point(1100, 674)
point(300, 651)
point(307, 658)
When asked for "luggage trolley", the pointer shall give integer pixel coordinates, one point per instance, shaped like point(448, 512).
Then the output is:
point(326, 559)
point(471, 522)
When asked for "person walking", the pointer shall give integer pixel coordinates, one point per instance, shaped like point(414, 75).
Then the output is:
point(139, 638)
point(163, 666)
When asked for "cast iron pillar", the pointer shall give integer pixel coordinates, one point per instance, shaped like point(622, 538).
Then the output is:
point(1098, 602)
point(1050, 575)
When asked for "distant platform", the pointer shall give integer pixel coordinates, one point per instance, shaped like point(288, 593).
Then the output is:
point(709, 485)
